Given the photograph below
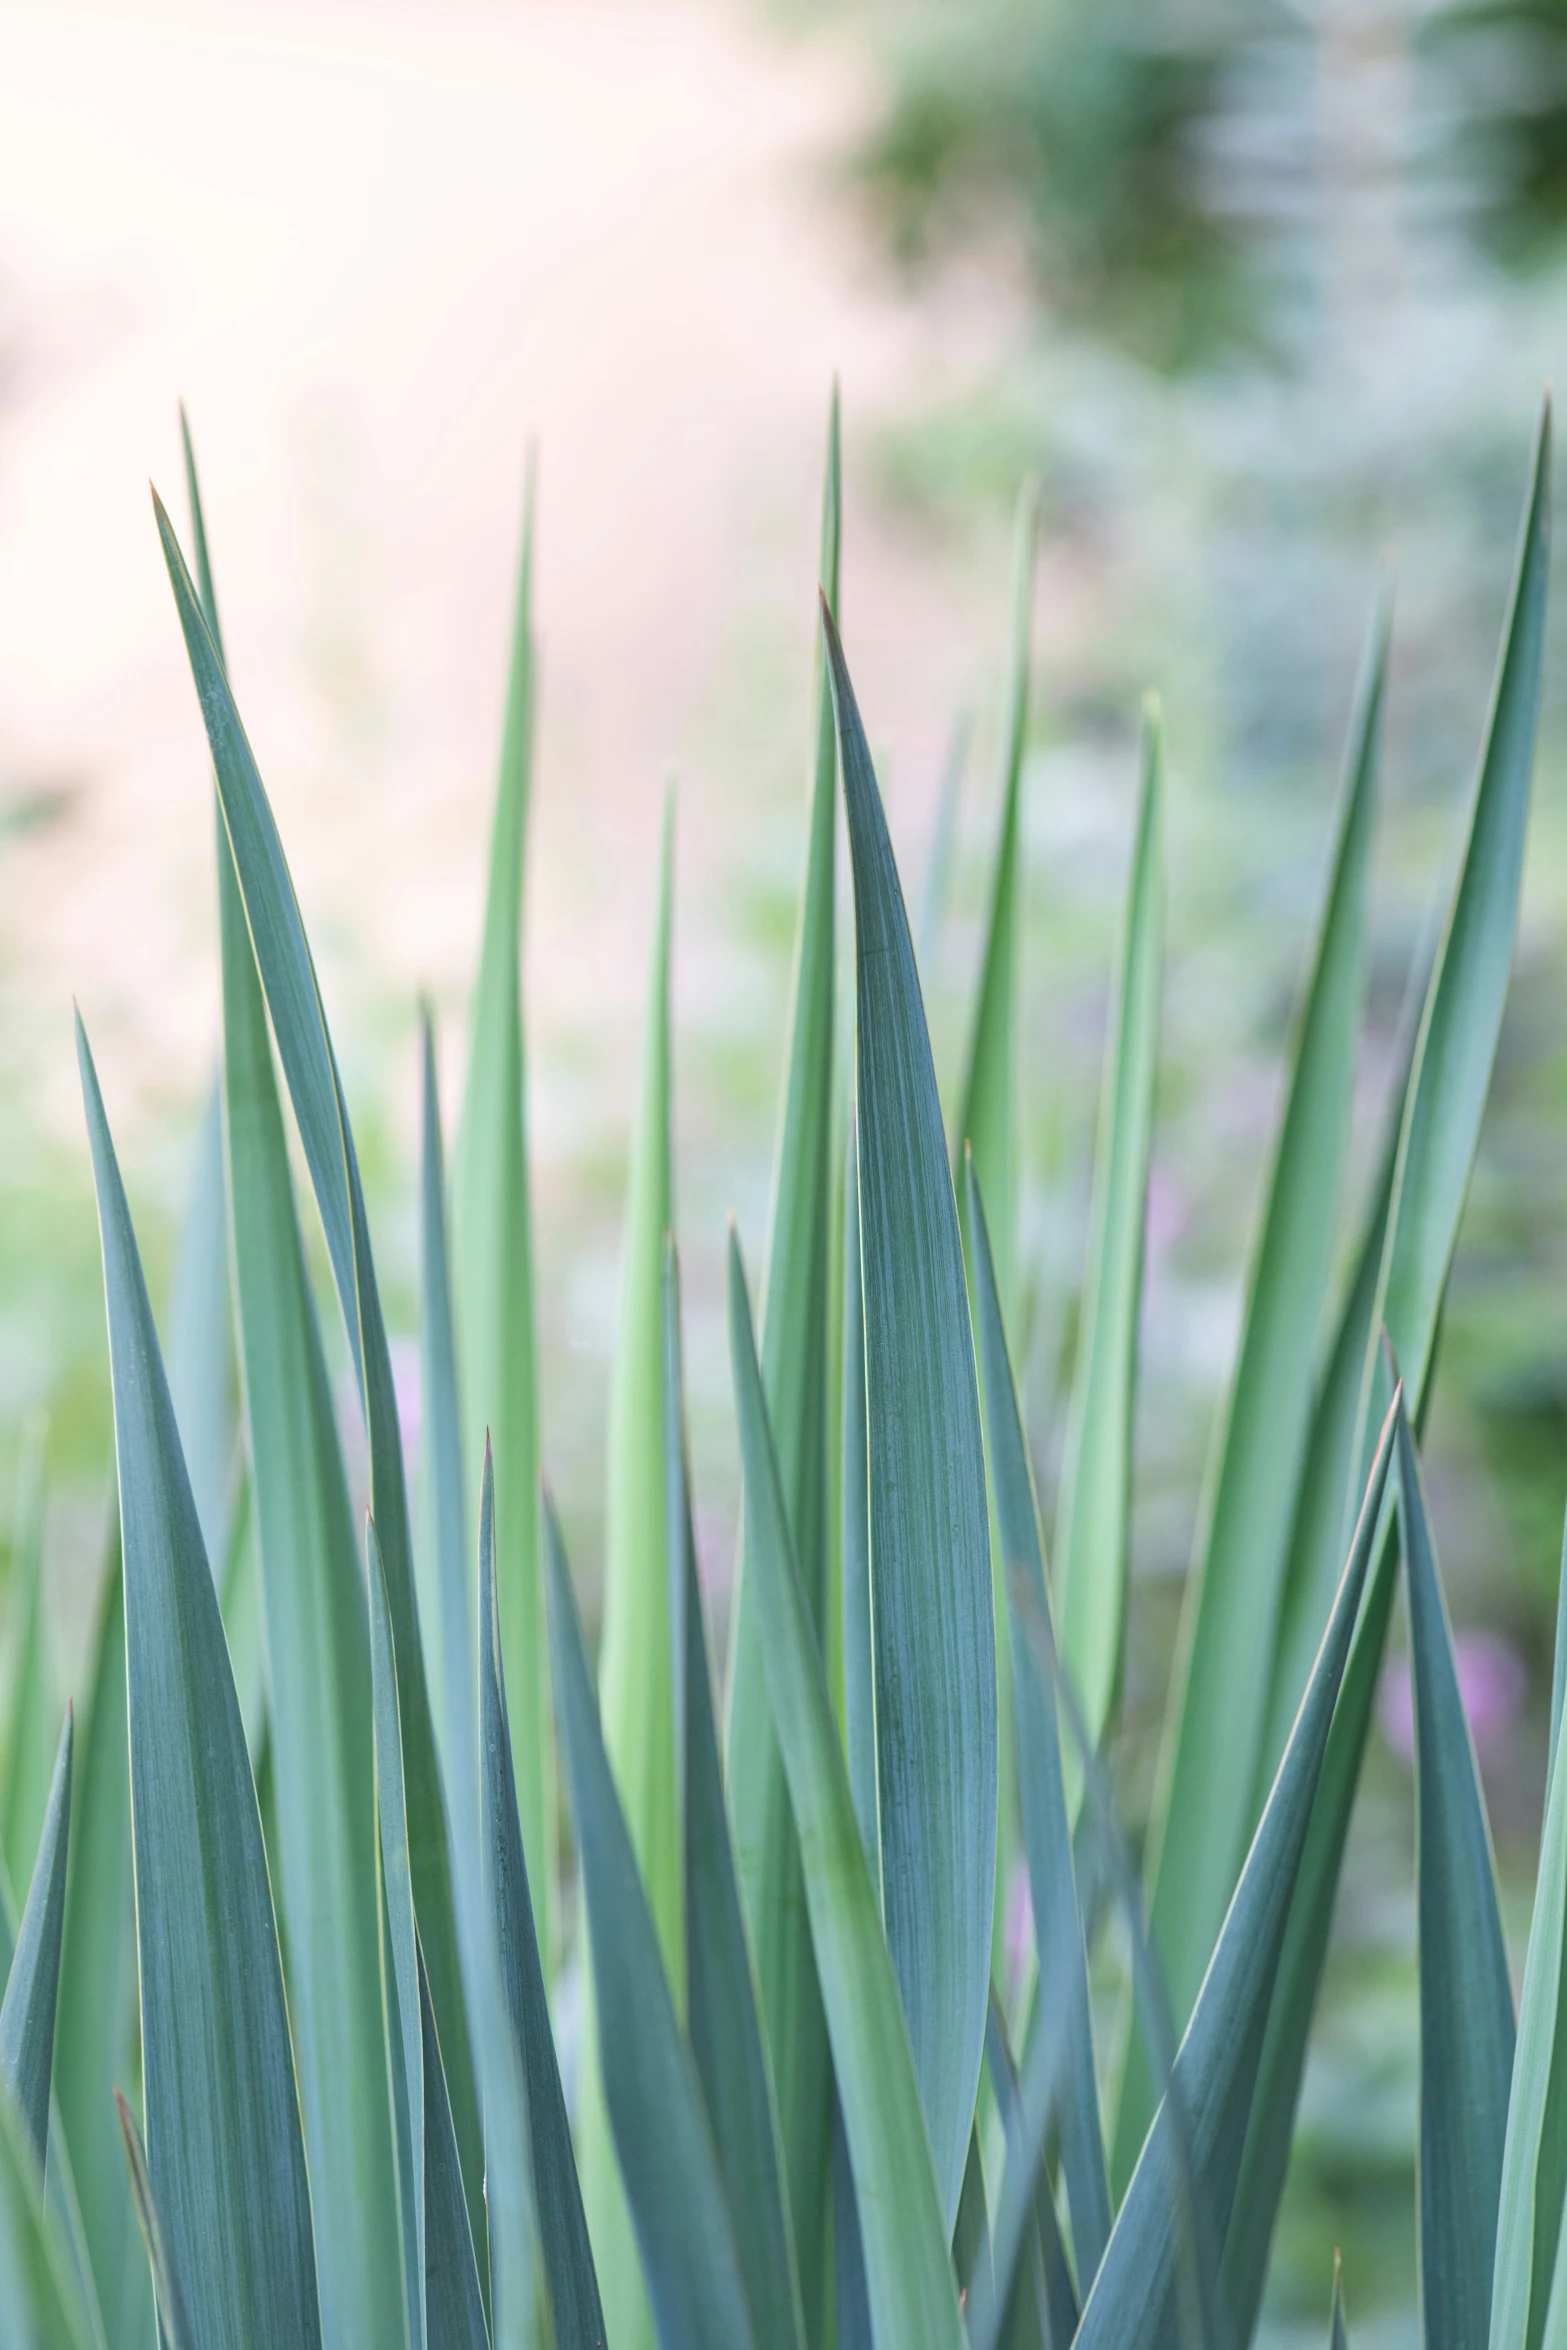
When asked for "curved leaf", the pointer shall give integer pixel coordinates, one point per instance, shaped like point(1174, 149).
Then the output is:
point(667, 2158)
point(932, 1617)
point(903, 2229)
point(794, 1366)
point(1091, 1560)
point(1466, 1999)
point(27, 2012)
point(226, 2155)
point(1214, 1720)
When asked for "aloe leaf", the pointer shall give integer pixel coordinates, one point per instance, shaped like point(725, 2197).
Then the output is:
point(309, 1064)
point(932, 1616)
point(563, 2229)
point(443, 1460)
point(174, 2324)
point(196, 1340)
point(634, 1662)
point(1133, 2297)
point(40, 2306)
point(1533, 2193)
point(27, 2011)
point(904, 2231)
point(673, 2184)
point(454, 2303)
point(859, 1672)
point(311, 1595)
point(1091, 1540)
point(1058, 1925)
point(226, 2154)
point(1466, 2000)
point(492, 1259)
point(794, 1367)
point(98, 1965)
point(1215, 1715)
point(34, 1725)
point(722, 1993)
point(1463, 1014)
point(400, 1964)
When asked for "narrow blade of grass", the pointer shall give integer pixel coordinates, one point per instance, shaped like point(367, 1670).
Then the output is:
point(1466, 2000)
point(492, 1258)
point(1215, 1714)
point(27, 2012)
point(903, 2230)
point(1058, 1924)
point(667, 2158)
point(173, 2323)
point(722, 1993)
point(1091, 1540)
point(794, 1366)
point(932, 1615)
point(304, 1047)
point(227, 2156)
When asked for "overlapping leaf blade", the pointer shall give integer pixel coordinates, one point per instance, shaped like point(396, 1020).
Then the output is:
point(304, 1046)
point(903, 2230)
point(932, 1615)
point(1466, 2001)
point(196, 1345)
point(27, 2011)
point(226, 2155)
point(34, 1725)
point(454, 2302)
point(317, 1638)
point(40, 2307)
point(492, 1257)
point(794, 1367)
point(173, 2322)
point(667, 2158)
point(722, 1997)
point(859, 1671)
point(1214, 1720)
point(1058, 1924)
point(1134, 2294)
point(563, 2229)
point(447, 1524)
point(1091, 1562)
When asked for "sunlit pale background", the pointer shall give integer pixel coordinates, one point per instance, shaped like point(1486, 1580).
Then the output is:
point(1267, 300)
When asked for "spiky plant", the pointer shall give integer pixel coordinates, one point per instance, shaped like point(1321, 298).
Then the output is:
point(292, 1891)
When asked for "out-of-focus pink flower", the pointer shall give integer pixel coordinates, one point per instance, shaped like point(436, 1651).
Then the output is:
point(1491, 1682)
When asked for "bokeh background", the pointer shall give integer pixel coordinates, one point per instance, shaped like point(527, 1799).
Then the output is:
point(1265, 295)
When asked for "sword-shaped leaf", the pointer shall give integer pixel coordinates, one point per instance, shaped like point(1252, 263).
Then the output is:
point(794, 1366)
point(1466, 1999)
point(673, 2184)
point(563, 2228)
point(196, 1348)
point(40, 2305)
point(304, 1047)
point(903, 2228)
point(400, 1969)
point(447, 1522)
point(454, 2304)
point(292, 1539)
point(1058, 1925)
point(721, 1987)
point(859, 1669)
point(1134, 2295)
point(492, 1258)
point(27, 2012)
point(226, 2155)
point(932, 1617)
point(1091, 1552)
point(1215, 1714)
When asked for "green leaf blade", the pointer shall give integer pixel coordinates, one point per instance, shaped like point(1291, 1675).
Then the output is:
point(27, 2012)
point(903, 2229)
point(226, 2153)
point(933, 1619)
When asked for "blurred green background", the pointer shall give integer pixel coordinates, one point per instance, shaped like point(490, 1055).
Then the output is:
point(1265, 296)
